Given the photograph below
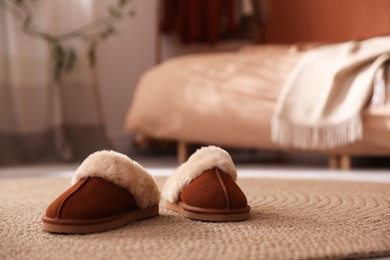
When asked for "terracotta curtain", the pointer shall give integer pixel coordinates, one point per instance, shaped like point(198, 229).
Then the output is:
point(198, 20)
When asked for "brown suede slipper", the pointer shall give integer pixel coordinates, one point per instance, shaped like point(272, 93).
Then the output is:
point(204, 188)
point(109, 190)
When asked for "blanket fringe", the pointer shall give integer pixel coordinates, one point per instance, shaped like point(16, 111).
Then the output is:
point(326, 136)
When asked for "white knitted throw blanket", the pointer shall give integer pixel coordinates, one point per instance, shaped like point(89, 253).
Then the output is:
point(321, 104)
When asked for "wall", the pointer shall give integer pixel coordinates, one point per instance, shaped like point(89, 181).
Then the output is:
point(121, 62)
point(326, 20)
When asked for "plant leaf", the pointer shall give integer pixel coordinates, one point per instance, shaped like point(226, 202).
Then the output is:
point(107, 32)
point(59, 51)
point(18, 2)
point(114, 12)
point(122, 3)
point(59, 60)
point(71, 60)
point(92, 55)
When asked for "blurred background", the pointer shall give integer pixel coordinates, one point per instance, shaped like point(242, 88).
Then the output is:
point(69, 70)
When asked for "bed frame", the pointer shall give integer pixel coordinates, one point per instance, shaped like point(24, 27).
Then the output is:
point(335, 161)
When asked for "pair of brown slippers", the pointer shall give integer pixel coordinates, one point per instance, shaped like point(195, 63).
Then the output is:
point(109, 190)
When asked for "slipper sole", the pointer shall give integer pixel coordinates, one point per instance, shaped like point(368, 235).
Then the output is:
point(226, 217)
point(95, 226)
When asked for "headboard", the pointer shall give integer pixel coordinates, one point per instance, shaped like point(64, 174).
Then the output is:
point(326, 20)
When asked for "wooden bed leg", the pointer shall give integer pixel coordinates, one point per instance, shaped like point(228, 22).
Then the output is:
point(333, 161)
point(182, 152)
point(345, 162)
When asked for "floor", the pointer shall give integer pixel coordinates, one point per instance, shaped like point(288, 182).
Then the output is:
point(248, 164)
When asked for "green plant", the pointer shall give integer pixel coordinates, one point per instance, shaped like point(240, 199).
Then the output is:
point(92, 34)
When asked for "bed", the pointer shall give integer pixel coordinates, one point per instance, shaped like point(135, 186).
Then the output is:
point(228, 99)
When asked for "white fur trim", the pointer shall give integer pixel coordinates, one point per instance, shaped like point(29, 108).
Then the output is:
point(203, 159)
point(119, 169)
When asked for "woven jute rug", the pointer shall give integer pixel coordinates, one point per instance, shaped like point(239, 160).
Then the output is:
point(291, 219)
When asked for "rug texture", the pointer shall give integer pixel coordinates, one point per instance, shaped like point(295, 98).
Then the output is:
point(291, 219)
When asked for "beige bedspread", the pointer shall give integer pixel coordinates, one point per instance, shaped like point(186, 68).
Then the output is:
point(321, 103)
point(228, 99)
